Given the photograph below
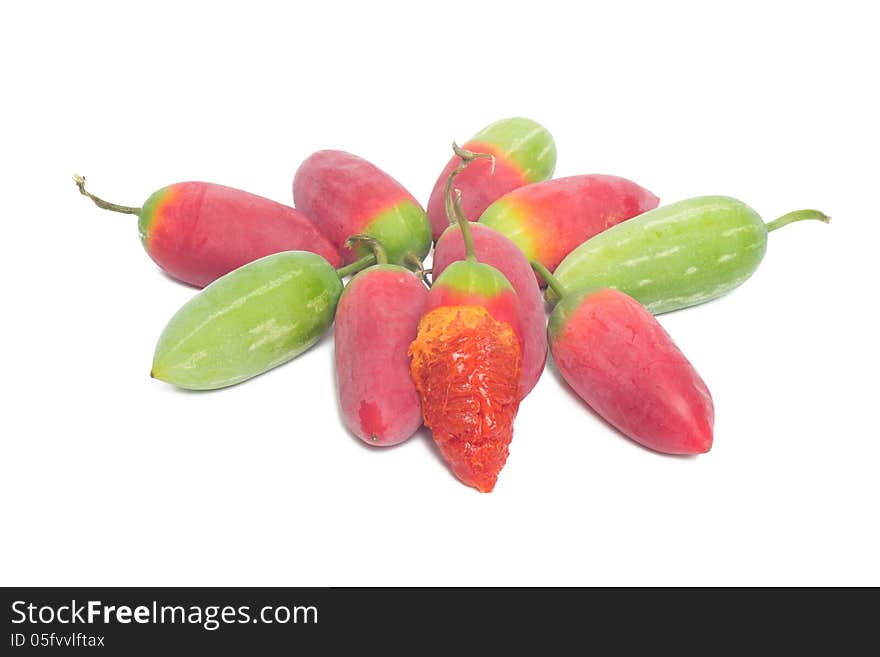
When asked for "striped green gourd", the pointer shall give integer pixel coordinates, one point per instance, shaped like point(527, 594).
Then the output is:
point(675, 256)
point(250, 320)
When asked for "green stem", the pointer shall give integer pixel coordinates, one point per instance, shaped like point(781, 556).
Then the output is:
point(454, 211)
point(798, 215)
point(101, 203)
point(356, 266)
point(552, 282)
point(374, 245)
point(470, 251)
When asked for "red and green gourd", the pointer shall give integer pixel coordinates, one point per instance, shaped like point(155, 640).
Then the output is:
point(618, 358)
point(197, 231)
point(548, 220)
point(376, 320)
point(523, 152)
point(345, 195)
point(493, 248)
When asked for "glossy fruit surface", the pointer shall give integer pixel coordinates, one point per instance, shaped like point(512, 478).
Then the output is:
point(524, 152)
point(248, 321)
point(376, 320)
point(618, 359)
point(344, 195)
point(548, 220)
point(198, 231)
point(676, 256)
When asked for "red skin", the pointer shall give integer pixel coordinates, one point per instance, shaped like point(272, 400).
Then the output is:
point(566, 212)
point(496, 250)
point(479, 186)
point(201, 231)
point(618, 358)
point(342, 193)
point(376, 320)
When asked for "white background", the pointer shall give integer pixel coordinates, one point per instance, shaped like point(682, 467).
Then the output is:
point(111, 478)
